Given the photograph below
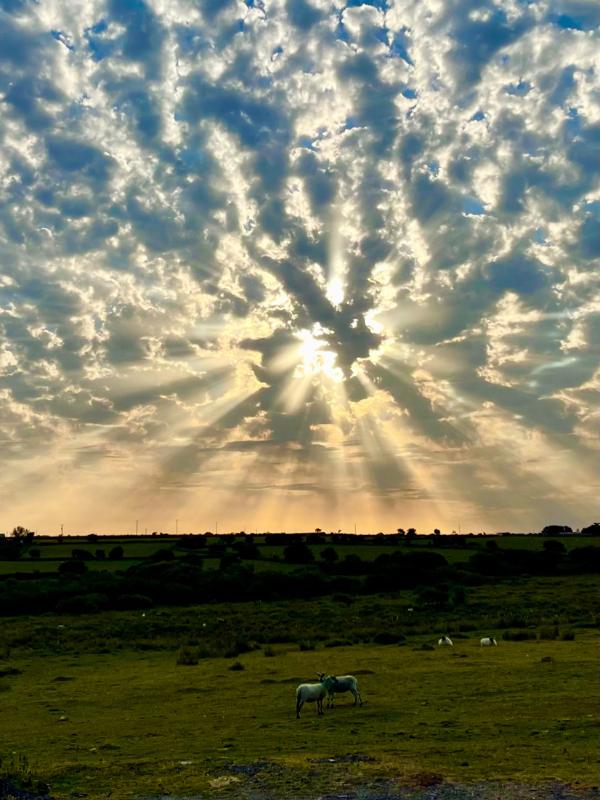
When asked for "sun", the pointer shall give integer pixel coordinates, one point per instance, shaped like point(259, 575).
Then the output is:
point(316, 360)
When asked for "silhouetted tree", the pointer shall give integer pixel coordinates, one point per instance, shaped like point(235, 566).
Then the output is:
point(298, 553)
point(591, 530)
point(329, 555)
point(116, 553)
point(555, 530)
point(554, 547)
point(22, 535)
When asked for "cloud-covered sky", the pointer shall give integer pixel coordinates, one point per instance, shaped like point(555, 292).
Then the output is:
point(286, 264)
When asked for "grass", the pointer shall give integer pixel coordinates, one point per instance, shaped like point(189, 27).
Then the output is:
point(97, 704)
point(142, 725)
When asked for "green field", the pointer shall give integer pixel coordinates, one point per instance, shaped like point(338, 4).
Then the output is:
point(137, 724)
point(98, 705)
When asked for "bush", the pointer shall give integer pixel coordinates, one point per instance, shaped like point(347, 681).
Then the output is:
point(187, 656)
point(237, 666)
point(81, 555)
point(298, 553)
point(116, 553)
point(82, 604)
point(548, 634)
point(304, 646)
point(567, 636)
point(269, 652)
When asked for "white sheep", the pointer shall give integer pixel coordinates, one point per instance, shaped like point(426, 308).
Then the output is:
point(342, 683)
point(313, 693)
point(488, 641)
point(445, 641)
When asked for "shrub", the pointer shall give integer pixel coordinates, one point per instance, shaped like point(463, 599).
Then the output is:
point(116, 553)
point(82, 603)
point(304, 646)
point(298, 553)
point(187, 656)
point(269, 652)
point(237, 666)
point(567, 636)
point(548, 633)
point(81, 555)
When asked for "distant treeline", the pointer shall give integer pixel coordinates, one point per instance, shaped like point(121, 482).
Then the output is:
point(178, 574)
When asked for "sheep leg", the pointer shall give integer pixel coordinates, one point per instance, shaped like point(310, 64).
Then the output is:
point(299, 704)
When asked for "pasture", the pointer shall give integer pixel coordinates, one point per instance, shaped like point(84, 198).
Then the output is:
point(157, 699)
point(134, 723)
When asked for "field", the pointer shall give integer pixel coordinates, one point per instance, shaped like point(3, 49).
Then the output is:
point(198, 701)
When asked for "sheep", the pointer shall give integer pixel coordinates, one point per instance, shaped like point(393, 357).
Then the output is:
point(313, 692)
point(488, 641)
point(445, 640)
point(343, 683)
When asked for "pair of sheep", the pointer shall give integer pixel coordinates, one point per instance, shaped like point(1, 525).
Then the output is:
point(487, 641)
point(328, 686)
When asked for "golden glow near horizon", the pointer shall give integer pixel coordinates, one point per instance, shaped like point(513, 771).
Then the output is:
point(284, 269)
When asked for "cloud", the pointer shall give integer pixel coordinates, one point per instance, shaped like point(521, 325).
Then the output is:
point(335, 255)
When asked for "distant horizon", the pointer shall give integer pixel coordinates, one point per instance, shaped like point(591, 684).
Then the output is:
point(155, 534)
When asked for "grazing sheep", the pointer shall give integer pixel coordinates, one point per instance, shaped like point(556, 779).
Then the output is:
point(313, 692)
point(488, 641)
point(343, 683)
point(445, 641)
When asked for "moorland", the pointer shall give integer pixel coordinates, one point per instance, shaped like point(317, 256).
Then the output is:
point(158, 666)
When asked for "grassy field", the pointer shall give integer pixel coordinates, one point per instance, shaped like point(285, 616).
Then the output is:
point(97, 705)
point(138, 724)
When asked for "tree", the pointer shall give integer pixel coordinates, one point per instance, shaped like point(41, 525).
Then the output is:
point(591, 530)
point(116, 552)
point(554, 547)
point(72, 568)
point(329, 555)
point(401, 532)
point(22, 535)
point(555, 530)
point(437, 532)
point(298, 553)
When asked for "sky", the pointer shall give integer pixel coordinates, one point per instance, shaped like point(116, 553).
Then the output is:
point(288, 264)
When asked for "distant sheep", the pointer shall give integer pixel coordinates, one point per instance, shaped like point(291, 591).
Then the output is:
point(343, 683)
point(313, 693)
point(488, 641)
point(445, 641)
